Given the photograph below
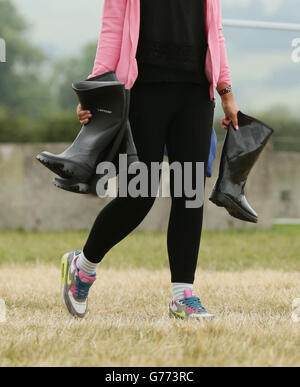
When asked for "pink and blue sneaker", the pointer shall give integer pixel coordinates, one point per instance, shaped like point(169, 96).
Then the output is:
point(189, 307)
point(75, 285)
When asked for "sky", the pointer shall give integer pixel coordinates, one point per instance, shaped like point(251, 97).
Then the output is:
point(260, 61)
point(62, 26)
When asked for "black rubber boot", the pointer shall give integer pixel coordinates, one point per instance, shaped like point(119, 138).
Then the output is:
point(122, 143)
point(107, 102)
point(127, 147)
point(240, 152)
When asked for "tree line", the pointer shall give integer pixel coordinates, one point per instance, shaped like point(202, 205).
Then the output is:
point(35, 108)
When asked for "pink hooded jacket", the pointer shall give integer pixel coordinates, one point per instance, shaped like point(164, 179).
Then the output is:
point(119, 37)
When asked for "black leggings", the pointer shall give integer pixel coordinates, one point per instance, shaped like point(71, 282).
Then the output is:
point(179, 115)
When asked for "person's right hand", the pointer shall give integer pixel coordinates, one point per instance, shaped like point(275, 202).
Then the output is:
point(83, 115)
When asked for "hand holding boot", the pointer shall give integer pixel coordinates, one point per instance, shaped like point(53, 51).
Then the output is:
point(83, 115)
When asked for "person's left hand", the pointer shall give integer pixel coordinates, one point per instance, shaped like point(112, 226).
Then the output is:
point(231, 110)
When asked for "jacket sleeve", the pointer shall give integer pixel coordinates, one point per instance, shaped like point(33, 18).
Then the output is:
point(225, 76)
point(110, 40)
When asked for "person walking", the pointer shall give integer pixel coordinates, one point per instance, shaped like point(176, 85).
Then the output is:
point(171, 54)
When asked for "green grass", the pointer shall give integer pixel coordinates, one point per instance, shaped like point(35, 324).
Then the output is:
point(277, 249)
point(128, 323)
point(248, 278)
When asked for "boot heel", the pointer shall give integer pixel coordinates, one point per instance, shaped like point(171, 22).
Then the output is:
point(222, 200)
point(219, 199)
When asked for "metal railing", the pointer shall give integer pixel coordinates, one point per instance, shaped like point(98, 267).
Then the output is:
point(261, 25)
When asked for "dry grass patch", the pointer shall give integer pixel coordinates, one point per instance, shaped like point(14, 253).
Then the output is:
point(128, 324)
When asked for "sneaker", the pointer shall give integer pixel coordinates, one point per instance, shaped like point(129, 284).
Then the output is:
point(189, 307)
point(75, 285)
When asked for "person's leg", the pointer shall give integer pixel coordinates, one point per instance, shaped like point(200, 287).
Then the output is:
point(188, 140)
point(149, 120)
point(150, 110)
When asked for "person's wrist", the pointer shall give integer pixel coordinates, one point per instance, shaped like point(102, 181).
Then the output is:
point(227, 97)
point(226, 89)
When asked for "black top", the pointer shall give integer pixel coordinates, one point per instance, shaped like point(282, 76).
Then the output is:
point(172, 44)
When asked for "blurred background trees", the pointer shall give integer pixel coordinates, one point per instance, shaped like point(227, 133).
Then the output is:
point(37, 103)
point(35, 107)
point(20, 82)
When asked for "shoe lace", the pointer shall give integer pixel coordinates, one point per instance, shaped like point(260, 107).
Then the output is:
point(81, 289)
point(194, 303)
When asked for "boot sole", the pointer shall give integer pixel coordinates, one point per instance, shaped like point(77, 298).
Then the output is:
point(66, 169)
point(223, 200)
point(72, 186)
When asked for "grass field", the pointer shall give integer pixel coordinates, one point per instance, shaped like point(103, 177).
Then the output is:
point(248, 278)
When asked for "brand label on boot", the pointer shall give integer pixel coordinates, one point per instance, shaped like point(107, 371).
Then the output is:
point(105, 111)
